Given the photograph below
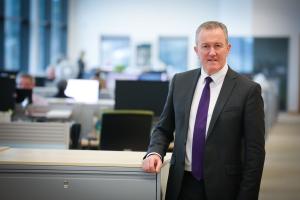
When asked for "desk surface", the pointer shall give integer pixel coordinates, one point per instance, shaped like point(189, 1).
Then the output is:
point(72, 157)
point(3, 148)
point(58, 114)
point(101, 102)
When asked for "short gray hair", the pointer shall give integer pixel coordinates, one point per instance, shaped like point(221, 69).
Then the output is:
point(209, 25)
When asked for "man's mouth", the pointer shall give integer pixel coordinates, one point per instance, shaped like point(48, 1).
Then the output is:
point(212, 60)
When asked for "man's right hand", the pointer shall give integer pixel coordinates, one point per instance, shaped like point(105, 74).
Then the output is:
point(152, 164)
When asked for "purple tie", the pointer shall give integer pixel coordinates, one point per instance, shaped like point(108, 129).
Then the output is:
point(199, 132)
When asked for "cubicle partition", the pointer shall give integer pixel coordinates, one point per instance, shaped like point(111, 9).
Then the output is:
point(35, 134)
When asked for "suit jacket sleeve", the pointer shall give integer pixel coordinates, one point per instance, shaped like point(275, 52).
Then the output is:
point(254, 132)
point(162, 134)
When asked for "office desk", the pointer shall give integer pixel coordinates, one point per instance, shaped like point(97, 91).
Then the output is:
point(82, 113)
point(61, 115)
point(74, 174)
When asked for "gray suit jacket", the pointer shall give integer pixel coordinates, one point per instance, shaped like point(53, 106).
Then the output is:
point(234, 149)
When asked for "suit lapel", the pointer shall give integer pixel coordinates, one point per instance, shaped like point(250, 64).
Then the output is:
point(228, 85)
point(194, 80)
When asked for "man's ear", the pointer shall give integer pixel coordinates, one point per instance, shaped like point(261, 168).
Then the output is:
point(196, 49)
point(228, 47)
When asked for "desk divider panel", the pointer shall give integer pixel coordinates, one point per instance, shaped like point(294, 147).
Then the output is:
point(35, 134)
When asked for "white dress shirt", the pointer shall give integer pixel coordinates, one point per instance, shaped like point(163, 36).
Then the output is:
point(215, 88)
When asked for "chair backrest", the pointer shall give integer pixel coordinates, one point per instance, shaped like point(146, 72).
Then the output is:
point(126, 130)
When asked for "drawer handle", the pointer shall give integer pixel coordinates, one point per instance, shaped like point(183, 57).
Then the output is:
point(66, 184)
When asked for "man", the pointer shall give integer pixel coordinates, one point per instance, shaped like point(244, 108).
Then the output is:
point(26, 81)
point(228, 164)
point(81, 65)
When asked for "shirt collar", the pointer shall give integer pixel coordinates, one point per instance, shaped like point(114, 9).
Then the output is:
point(216, 77)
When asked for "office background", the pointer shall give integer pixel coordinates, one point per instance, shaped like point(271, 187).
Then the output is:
point(156, 35)
point(146, 22)
point(134, 36)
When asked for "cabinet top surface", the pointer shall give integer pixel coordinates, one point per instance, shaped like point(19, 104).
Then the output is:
point(72, 157)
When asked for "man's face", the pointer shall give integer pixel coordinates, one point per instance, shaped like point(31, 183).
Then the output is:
point(212, 49)
point(25, 83)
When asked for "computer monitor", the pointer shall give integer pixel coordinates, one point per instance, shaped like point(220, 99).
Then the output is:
point(23, 95)
point(40, 81)
point(145, 95)
point(7, 94)
point(9, 73)
point(81, 90)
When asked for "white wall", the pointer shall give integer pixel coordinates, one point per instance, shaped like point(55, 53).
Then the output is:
point(144, 21)
point(34, 38)
point(281, 18)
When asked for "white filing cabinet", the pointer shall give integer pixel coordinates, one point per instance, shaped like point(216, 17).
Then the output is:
point(73, 174)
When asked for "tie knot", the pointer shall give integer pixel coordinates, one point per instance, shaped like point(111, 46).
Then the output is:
point(208, 79)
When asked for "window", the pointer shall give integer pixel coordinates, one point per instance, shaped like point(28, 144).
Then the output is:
point(271, 59)
point(52, 31)
point(58, 29)
point(115, 52)
point(262, 55)
point(16, 34)
point(2, 34)
point(241, 54)
point(143, 55)
point(44, 33)
point(173, 53)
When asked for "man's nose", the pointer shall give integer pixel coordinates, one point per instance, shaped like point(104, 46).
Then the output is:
point(212, 51)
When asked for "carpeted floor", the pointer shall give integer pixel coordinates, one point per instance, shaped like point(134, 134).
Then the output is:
point(281, 177)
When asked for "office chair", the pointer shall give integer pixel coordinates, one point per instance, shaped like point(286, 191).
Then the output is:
point(126, 130)
point(74, 136)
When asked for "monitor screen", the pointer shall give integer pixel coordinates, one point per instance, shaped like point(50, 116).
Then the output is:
point(9, 73)
point(81, 90)
point(40, 81)
point(7, 94)
point(23, 95)
point(145, 95)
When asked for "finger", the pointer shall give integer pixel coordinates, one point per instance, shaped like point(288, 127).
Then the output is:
point(152, 163)
point(158, 166)
point(146, 165)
